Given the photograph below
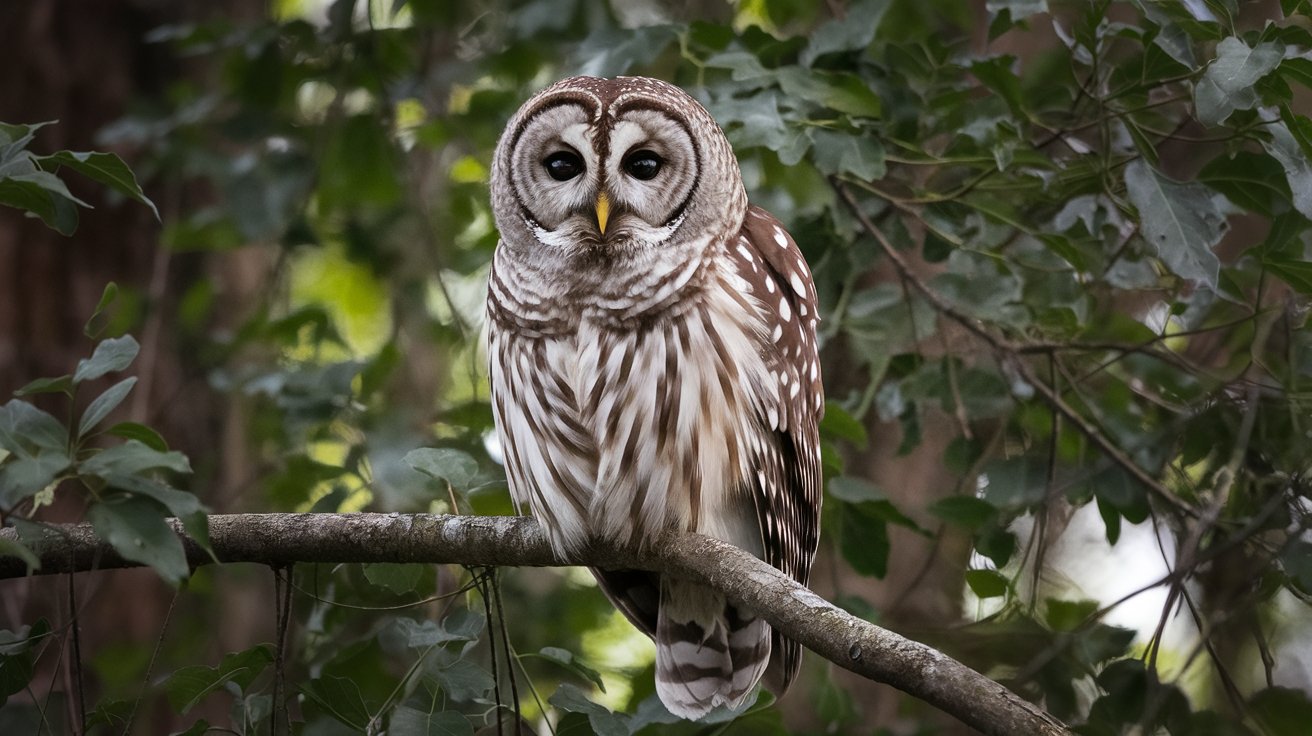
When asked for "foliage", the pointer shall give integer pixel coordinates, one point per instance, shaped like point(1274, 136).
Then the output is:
point(1098, 257)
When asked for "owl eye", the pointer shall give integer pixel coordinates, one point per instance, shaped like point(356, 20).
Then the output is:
point(642, 164)
point(563, 165)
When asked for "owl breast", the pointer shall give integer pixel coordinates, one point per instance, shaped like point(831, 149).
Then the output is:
point(633, 415)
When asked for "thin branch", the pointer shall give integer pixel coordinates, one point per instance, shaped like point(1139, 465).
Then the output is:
point(796, 612)
point(1009, 355)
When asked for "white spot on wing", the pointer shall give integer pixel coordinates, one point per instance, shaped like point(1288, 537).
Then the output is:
point(785, 312)
point(798, 286)
point(779, 237)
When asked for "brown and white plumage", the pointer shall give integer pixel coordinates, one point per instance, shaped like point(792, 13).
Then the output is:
point(653, 363)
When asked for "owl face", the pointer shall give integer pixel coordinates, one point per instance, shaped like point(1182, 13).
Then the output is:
point(615, 168)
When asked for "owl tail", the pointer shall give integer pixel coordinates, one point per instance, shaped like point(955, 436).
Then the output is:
point(708, 652)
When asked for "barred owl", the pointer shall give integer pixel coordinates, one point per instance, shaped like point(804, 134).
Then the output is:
point(653, 364)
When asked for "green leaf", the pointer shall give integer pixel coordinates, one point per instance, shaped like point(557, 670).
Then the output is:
point(854, 490)
point(137, 529)
point(21, 477)
point(854, 32)
point(1228, 84)
point(463, 680)
point(188, 686)
point(106, 168)
point(987, 583)
point(997, 74)
point(103, 404)
point(1180, 221)
point(37, 448)
point(838, 423)
point(14, 548)
point(443, 463)
point(1298, 170)
point(110, 355)
point(604, 722)
point(407, 721)
point(25, 429)
point(566, 659)
point(131, 458)
point(836, 152)
point(463, 625)
point(968, 511)
point(1068, 615)
point(395, 577)
point(846, 93)
point(107, 297)
point(864, 540)
point(341, 698)
point(43, 195)
point(1298, 274)
point(141, 433)
point(1249, 179)
point(58, 384)
point(1282, 710)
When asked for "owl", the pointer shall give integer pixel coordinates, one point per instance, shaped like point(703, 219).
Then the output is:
point(653, 364)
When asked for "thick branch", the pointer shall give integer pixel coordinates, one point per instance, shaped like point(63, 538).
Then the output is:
point(866, 649)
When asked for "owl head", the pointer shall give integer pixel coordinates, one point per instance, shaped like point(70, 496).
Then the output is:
point(627, 169)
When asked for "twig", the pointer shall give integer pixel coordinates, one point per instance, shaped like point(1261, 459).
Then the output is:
point(1009, 356)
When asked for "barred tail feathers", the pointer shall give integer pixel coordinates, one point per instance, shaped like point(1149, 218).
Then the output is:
point(708, 653)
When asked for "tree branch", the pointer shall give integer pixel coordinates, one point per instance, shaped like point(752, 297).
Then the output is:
point(866, 649)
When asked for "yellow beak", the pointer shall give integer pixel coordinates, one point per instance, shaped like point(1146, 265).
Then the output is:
point(603, 212)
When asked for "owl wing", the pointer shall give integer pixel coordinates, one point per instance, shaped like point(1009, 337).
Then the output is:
point(787, 485)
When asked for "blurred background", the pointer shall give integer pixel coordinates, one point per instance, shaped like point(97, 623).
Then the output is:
point(1117, 191)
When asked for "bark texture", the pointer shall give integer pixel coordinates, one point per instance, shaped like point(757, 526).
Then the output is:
point(852, 643)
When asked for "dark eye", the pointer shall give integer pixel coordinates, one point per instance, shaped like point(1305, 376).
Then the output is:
point(642, 164)
point(563, 165)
